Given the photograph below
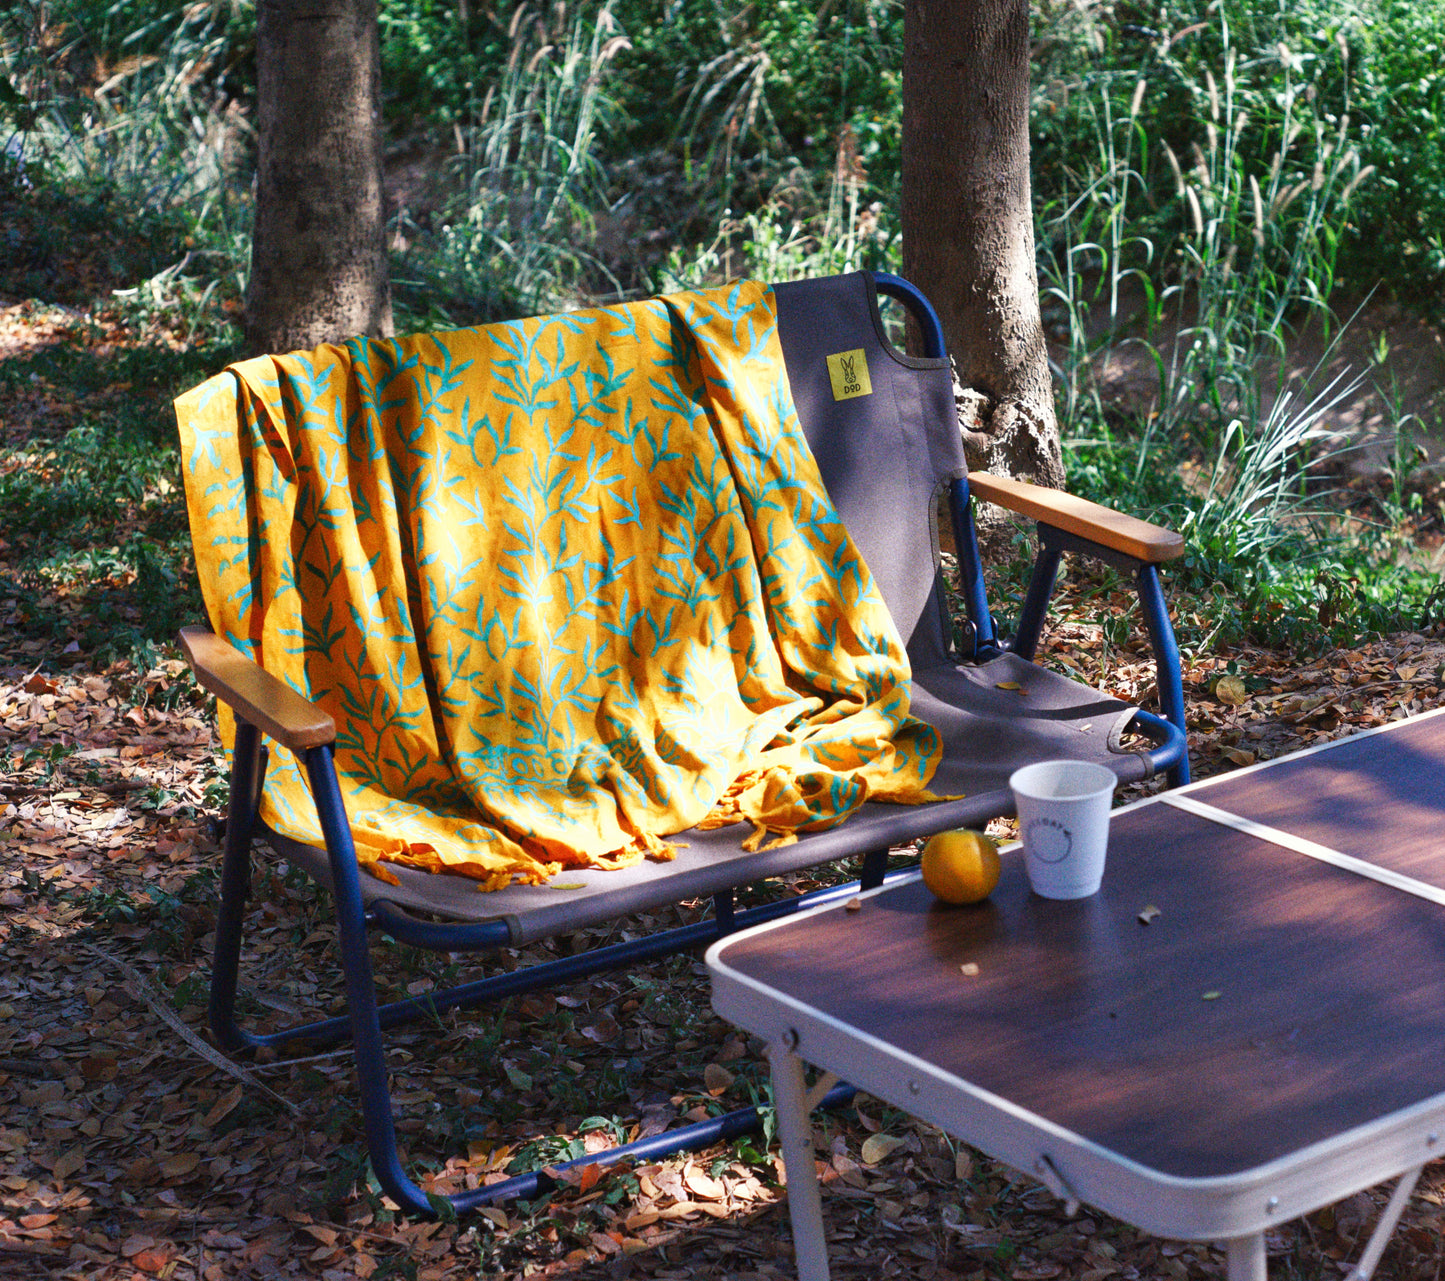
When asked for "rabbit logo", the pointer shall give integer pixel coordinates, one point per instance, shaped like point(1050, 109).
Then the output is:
point(848, 372)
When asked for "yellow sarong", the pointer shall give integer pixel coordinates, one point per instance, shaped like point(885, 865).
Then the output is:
point(568, 585)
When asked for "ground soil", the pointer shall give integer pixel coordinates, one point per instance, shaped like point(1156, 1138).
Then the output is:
point(131, 1148)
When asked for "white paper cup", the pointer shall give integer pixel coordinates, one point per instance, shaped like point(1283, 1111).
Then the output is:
point(1063, 811)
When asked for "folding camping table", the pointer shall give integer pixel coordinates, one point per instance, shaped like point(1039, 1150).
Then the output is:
point(1245, 1024)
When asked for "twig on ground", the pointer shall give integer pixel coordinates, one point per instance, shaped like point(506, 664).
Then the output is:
point(140, 987)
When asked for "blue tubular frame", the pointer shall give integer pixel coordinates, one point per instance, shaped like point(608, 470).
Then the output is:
point(912, 297)
point(965, 537)
point(970, 568)
point(1169, 732)
point(248, 769)
point(365, 1020)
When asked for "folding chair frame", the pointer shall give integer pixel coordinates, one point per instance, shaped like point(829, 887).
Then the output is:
point(266, 708)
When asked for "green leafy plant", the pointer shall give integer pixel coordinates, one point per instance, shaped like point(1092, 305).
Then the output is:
point(756, 89)
point(792, 237)
point(1256, 502)
point(1371, 70)
point(1199, 271)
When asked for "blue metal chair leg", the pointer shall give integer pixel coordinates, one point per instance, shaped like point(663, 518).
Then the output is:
point(1036, 601)
point(366, 1039)
point(378, 1118)
point(724, 909)
point(875, 864)
point(1166, 659)
point(248, 769)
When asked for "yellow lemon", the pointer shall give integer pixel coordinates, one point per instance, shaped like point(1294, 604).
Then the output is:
point(960, 866)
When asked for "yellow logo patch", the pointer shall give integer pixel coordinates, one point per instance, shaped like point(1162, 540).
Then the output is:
point(848, 371)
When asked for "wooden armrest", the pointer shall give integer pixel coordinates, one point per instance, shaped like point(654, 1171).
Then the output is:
point(276, 709)
point(1152, 544)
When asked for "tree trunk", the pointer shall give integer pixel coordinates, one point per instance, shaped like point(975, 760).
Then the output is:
point(318, 255)
point(968, 231)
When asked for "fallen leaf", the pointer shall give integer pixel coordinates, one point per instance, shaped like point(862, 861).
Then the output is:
point(1037, 1271)
point(715, 1209)
point(496, 1216)
point(1231, 691)
point(133, 1245)
point(1301, 706)
point(877, 1147)
point(704, 1186)
point(603, 1031)
point(680, 1210)
point(537, 1005)
point(716, 1078)
point(1150, 913)
point(71, 1163)
point(606, 1243)
point(179, 1165)
point(98, 1067)
point(224, 1106)
point(847, 1169)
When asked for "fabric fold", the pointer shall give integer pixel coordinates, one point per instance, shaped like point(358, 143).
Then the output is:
point(568, 585)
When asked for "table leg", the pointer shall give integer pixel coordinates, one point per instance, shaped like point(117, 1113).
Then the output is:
point(795, 1128)
point(1246, 1258)
point(1385, 1228)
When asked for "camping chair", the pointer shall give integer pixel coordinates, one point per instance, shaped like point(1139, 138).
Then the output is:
point(887, 459)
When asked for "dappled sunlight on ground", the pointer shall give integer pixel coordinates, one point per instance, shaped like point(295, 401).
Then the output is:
point(28, 328)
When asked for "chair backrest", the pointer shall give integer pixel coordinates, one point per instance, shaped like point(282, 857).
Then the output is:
point(884, 430)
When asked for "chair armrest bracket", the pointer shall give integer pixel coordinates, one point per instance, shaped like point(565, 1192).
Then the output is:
point(1053, 542)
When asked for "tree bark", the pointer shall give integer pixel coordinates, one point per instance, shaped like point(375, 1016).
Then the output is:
point(318, 254)
point(968, 231)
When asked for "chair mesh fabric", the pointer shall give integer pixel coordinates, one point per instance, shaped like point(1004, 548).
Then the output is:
point(885, 455)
